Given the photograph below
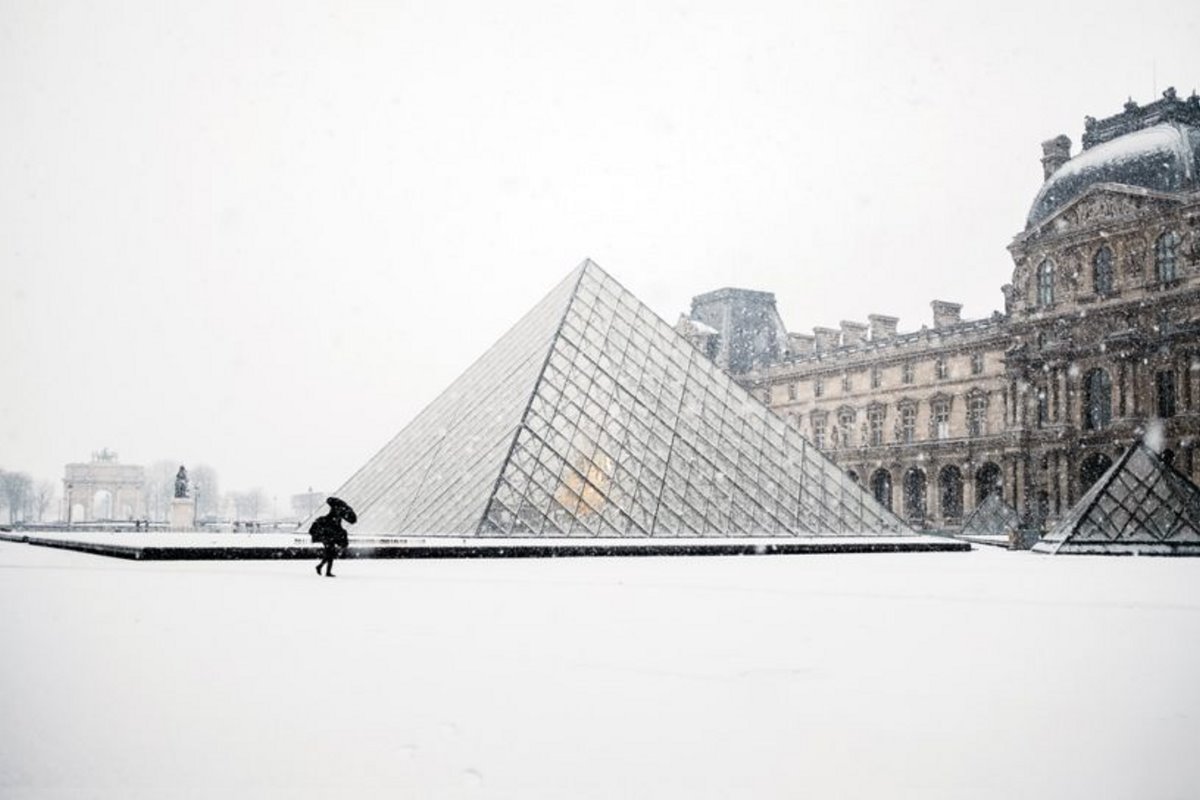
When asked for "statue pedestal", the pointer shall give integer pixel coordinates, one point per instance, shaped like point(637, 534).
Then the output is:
point(183, 514)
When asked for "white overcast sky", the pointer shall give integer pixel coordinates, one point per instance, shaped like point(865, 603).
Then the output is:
point(262, 236)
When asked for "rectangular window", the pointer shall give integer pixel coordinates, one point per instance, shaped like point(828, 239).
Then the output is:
point(908, 424)
point(1043, 407)
point(818, 432)
point(791, 391)
point(845, 428)
point(977, 363)
point(875, 422)
point(977, 416)
point(846, 383)
point(941, 419)
point(818, 387)
point(876, 377)
point(941, 369)
point(906, 373)
point(1166, 393)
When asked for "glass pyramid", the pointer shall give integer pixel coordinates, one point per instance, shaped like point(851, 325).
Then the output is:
point(1140, 505)
point(592, 417)
point(991, 518)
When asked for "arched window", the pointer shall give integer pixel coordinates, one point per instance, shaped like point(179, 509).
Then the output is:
point(1164, 256)
point(987, 481)
point(1097, 400)
point(881, 487)
point(1102, 270)
point(914, 496)
point(950, 481)
point(1045, 284)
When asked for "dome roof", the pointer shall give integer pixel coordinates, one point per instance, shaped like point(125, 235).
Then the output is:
point(1164, 158)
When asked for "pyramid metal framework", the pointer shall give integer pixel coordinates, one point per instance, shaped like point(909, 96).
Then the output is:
point(1140, 505)
point(592, 417)
point(992, 517)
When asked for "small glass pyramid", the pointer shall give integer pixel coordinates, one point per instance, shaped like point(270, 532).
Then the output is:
point(992, 517)
point(1140, 505)
point(592, 417)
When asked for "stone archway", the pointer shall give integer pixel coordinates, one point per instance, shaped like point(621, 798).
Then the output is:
point(122, 486)
point(101, 506)
point(950, 486)
point(988, 479)
point(914, 496)
point(881, 487)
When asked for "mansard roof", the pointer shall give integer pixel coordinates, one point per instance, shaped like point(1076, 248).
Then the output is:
point(1156, 147)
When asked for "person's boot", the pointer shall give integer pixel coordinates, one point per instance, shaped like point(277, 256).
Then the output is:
point(319, 568)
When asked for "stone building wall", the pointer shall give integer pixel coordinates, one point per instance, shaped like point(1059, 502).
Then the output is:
point(1099, 344)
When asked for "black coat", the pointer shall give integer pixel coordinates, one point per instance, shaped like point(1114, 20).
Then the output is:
point(328, 530)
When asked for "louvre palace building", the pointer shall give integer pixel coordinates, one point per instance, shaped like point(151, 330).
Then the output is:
point(1098, 344)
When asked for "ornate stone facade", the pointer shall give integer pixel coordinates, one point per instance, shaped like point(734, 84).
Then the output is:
point(1099, 344)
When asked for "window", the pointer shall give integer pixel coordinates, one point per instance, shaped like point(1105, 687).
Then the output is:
point(977, 363)
point(1043, 407)
point(1102, 271)
point(1045, 284)
point(875, 425)
point(941, 369)
point(846, 383)
point(977, 406)
point(846, 426)
point(818, 430)
point(818, 387)
point(791, 391)
point(940, 419)
point(906, 373)
point(908, 423)
point(1164, 256)
point(876, 377)
point(1165, 382)
point(1097, 400)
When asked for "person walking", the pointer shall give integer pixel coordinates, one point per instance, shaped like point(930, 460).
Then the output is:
point(328, 532)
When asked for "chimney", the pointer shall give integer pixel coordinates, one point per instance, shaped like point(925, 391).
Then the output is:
point(946, 314)
point(827, 338)
point(882, 327)
point(1055, 153)
point(853, 333)
point(800, 344)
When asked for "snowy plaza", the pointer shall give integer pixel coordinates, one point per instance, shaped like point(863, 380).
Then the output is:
point(934, 675)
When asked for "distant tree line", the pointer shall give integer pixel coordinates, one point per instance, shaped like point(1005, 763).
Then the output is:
point(22, 499)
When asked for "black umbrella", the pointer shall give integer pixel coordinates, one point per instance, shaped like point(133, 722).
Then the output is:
point(342, 509)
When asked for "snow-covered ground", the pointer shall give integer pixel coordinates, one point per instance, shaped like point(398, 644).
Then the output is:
point(987, 674)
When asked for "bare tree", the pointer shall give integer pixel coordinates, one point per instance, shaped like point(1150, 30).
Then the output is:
point(17, 488)
point(43, 498)
point(206, 489)
point(249, 505)
point(160, 488)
